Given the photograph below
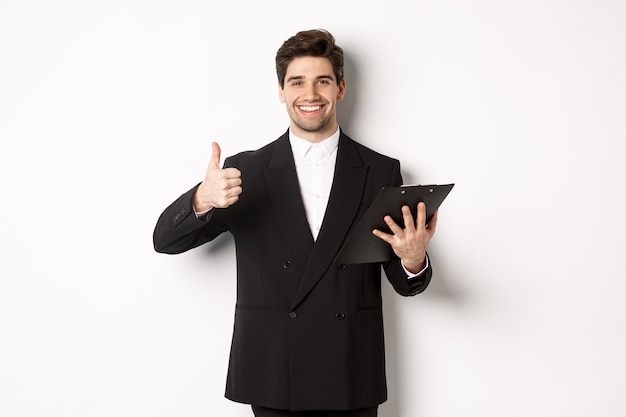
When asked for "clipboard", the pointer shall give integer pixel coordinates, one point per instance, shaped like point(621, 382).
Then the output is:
point(361, 246)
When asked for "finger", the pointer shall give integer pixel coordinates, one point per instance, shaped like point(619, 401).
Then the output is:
point(382, 235)
point(232, 182)
point(233, 193)
point(227, 198)
point(432, 224)
point(215, 156)
point(230, 173)
point(407, 216)
point(421, 215)
point(227, 186)
point(395, 229)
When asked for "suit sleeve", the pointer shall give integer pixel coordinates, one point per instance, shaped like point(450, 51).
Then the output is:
point(404, 285)
point(178, 229)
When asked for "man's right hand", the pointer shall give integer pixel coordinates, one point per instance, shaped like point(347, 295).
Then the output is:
point(220, 188)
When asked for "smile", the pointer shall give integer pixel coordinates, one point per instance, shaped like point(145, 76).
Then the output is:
point(309, 108)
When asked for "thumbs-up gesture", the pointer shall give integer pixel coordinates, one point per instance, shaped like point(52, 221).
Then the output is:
point(220, 188)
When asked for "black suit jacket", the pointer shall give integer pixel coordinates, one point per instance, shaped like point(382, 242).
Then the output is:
point(308, 331)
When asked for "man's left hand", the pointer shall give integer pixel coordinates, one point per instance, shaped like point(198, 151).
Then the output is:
point(409, 244)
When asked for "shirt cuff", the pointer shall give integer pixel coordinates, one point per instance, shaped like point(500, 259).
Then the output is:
point(412, 275)
point(200, 214)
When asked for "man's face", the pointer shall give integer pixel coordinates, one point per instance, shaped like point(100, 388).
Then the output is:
point(311, 93)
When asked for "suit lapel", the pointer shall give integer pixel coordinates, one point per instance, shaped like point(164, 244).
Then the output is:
point(343, 204)
point(282, 182)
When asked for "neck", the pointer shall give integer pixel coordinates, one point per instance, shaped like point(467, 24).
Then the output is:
point(314, 137)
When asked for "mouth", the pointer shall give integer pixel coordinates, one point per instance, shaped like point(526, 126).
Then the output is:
point(310, 110)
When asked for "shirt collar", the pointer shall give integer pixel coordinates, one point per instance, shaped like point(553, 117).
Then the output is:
point(300, 146)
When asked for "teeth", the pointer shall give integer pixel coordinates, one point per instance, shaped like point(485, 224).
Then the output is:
point(310, 108)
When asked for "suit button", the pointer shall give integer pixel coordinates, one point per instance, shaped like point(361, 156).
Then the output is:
point(340, 315)
point(293, 315)
point(287, 264)
point(179, 215)
point(341, 267)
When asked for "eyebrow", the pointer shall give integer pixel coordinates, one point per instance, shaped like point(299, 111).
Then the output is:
point(301, 77)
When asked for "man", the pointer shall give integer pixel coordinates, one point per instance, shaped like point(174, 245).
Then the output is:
point(308, 334)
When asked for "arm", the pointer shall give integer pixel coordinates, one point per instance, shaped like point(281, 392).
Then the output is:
point(411, 273)
point(179, 229)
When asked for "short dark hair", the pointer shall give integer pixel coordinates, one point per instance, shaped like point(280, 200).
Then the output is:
point(315, 43)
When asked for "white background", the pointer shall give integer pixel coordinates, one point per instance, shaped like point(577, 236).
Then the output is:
point(107, 111)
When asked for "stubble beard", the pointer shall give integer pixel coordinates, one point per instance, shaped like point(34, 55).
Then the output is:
point(311, 125)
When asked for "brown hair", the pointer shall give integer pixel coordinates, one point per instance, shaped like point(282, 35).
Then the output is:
point(316, 43)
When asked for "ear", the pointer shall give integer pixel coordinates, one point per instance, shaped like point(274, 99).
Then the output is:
point(281, 94)
point(342, 89)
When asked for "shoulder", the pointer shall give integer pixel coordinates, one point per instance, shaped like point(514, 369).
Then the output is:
point(258, 156)
point(367, 155)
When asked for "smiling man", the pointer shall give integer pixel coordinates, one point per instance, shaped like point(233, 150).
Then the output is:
point(308, 334)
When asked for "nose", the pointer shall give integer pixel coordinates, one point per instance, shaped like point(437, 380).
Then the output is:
point(311, 92)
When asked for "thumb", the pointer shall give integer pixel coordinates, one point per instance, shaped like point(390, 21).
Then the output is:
point(215, 156)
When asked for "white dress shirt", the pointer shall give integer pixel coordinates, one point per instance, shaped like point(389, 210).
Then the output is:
point(315, 165)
